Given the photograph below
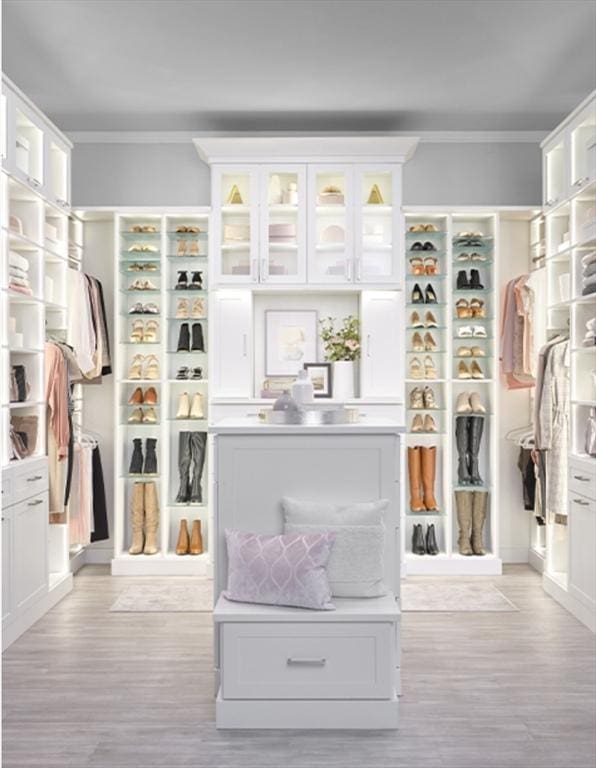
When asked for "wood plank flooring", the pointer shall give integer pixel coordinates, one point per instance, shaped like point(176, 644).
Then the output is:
point(85, 688)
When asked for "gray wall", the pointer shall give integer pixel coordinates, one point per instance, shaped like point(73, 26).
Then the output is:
point(438, 174)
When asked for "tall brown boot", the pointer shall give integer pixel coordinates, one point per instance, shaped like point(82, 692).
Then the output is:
point(428, 461)
point(137, 514)
point(463, 502)
point(183, 539)
point(479, 507)
point(196, 539)
point(151, 519)
point(414, 474)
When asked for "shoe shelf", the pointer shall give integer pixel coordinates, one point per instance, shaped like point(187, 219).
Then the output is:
point(175, 255)
point(434, 473)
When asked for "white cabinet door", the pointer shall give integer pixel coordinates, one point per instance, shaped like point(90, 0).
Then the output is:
point(30, 550)
point(235, 235)
point(330, 224)
point(582, 535)
point(6, 566)
point(378, 224)
point(283, 224)
point(233, 331)
point(57, 170)
point(26, 155)
point(381, 315)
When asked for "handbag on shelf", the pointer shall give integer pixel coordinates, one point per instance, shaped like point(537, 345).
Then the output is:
point(590, 444)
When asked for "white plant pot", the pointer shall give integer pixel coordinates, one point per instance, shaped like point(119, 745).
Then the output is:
point(344, 374)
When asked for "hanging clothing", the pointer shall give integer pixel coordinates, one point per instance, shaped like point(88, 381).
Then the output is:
point(517, 337)
point(553, 412)
point(80, 511)
point(100, 510)
point(525, 464)
point(88, 327)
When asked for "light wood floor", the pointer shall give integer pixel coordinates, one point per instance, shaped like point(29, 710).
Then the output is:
point(85, 688)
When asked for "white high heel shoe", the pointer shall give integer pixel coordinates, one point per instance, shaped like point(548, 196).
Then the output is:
point(196, 409)
point(183, 411)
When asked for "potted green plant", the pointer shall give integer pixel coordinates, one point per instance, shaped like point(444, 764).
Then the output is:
point(342, 349)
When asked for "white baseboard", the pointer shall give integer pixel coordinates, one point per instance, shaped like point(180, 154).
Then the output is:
point(98, 555)
point(514, 554)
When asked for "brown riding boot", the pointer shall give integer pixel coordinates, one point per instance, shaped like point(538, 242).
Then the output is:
point(183, 539)
point(428, 461)
point(414, 474)
point(151, 519)
point(196, 539)
point(463, 502)
point(479, 506)
point(137, 513)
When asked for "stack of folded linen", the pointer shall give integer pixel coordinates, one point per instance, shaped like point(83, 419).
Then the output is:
point(589, 274)
point(589, 339)
point(18, 273)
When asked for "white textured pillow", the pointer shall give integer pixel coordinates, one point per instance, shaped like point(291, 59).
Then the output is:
point(355, 567)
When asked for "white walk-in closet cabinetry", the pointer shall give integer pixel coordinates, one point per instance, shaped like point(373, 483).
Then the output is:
point(567, 552)
point(36, 237)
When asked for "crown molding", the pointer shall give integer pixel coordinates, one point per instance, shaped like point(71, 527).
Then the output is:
point(187, 137)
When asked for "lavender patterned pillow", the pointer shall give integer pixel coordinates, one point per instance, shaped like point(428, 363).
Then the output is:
point(279, 570)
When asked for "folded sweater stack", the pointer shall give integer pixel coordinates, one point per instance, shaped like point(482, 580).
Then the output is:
point(589, 274)
point(589, 339)
point(18, 273)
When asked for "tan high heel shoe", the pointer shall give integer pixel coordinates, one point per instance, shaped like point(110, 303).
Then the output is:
point(463, 371)
point(151, 329)
point(430, 321)
point(181, 249)
point(415, 321)
point(183, 411)
point(136, 367)
point(196, 539)
point(430, 371)
point(417, 343)
point(196, 409)
point(429, 423)
point(462, 309)
point(417, 424)
point(476, 370)
point(137, 331)
point(183, 543)
point(198, 309)
point(464, 352)
point(416, 371)
point(150, 397)
point(431, 266)
point(151, 367)
point(149, 416)
point(478, 352)
point(136, 417)
point(477, 308)
point(430, 345)
point(137, 397)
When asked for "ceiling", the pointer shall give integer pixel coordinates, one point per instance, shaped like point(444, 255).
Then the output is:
point(410, 65)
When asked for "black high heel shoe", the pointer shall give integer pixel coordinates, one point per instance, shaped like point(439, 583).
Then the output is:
point(197, 281)
point(182, 283)
point(430, 297)
point(417, 295)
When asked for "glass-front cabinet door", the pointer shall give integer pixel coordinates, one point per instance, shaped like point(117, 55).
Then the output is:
point(377, 224)
point(330, 224)
point(235, 236)
point(283, 224)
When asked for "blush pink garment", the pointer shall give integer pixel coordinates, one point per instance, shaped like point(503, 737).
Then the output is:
point(287, 569)
point(57, 397)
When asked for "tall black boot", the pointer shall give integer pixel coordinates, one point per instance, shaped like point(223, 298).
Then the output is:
point(198, 446)
point(476, 427)
point(463, 448)
point(432, 548)
point(198, 342)
point(150, 467)
point(184, 338)
point(184, 459)
point(136, 460)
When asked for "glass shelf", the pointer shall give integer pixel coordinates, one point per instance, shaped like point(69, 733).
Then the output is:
point(411, 305)
point(188, 319)
point(422, 235)
point(202, 257)
point(132, 236)
point(186, 291)
point(136, 424)
point(142, 343)
point(141, 291)
point(471, 291)
point(186, 352)
point(188, 235)
point(132, 272)
point(425, 278)
point(484, 248)
point(132, 256)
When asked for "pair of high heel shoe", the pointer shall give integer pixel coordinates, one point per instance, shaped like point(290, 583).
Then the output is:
point(187, 247)
point(142, 285)
point(144, 309)
point(144, 332)
point(470, 352)
point(423, 399)
point(469, 402)
point(143, 367)
point(423, 228)
point(426, 344)
point(423, 370)
point(426, 424)
point(465, 309)
point(469, 331)
point(427, 297)
point(143, 416)
point(430, 321)
point(473, 372)
point(426, 266)
point(194, 284)
point(186, 309)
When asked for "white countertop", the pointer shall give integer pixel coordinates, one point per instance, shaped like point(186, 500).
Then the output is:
point(250, 425)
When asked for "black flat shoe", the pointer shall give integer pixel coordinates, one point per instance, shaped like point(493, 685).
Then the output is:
point(417, 295)
point(183, 372)
point(197, 373)
point(417, 246)
point(428, 246)
point(430, 297)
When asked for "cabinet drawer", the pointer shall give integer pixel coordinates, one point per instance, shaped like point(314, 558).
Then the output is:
point(30, 480)
point(308, 661)
point(7, 483)
point(582, 481)
point(579, 502)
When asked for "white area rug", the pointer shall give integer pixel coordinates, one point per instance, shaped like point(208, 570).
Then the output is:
point(174, 596)
point(452, 597)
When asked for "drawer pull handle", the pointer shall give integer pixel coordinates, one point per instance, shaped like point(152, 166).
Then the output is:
point(34, 478)
point(35, 503)
point(582, 478)
point(297, 661)
point(580, 502)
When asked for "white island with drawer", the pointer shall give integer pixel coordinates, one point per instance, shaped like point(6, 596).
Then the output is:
point(282, 667)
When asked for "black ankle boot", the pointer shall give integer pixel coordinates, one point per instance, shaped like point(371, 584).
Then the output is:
point(475, 280)
point(150, 467)
point(432, 548)
point(198, 342)
point(182, 283)
point(197, 281)
point(430, 297)
point(183, 339)
point(136, 461)
point(417, 295)
point(418, 543)
point(462, 280)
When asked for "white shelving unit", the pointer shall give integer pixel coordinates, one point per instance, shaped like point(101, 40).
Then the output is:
point(161, 260)
point(569, 183)
point(34, 194)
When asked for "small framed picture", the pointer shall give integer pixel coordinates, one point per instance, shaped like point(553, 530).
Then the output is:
point(320, 375)
point(291, 338)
